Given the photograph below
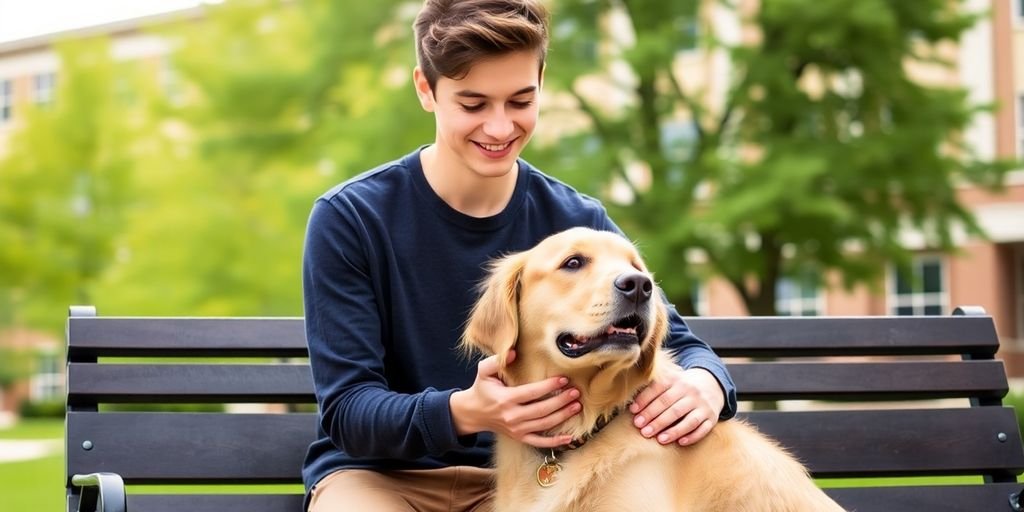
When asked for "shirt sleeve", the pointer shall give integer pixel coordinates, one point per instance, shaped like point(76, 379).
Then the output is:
point(689, 350)
point(358, 411)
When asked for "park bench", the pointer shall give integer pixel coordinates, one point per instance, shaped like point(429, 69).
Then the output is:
point(895, 397)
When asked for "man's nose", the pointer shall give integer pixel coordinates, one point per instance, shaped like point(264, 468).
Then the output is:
point(499, 126)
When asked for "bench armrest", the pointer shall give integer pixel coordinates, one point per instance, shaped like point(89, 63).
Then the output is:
point(101, 492)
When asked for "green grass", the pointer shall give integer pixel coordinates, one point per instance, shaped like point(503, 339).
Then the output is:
point(34, 429)
point(33, 485)
point(837, 483)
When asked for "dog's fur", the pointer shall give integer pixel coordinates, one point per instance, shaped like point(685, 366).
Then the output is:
point(537, 299)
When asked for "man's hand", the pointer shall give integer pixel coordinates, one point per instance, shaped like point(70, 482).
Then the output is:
point(519, 412)
point(679, 406)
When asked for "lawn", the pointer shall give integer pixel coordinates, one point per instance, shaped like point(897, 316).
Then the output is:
point(34, 429)
point(34, 484)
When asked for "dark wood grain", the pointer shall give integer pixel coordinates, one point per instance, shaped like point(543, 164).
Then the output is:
point(821, 360)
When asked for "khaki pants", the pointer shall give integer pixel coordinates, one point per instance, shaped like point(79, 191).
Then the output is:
point(452, 489)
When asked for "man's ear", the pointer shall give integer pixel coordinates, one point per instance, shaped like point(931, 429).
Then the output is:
point(423, 90)
point(493, 326)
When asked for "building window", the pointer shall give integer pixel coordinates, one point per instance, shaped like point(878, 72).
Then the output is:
point(170, 82)
point(690, 27)
point(43, 87)
point(1018, 11)
point(799, 296)
point(701, 303)
point(921, 290)
point(48, 382)
point(6, 100)
point(1020, 124)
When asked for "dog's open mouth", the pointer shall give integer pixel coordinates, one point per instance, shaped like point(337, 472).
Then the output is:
point(624, 333)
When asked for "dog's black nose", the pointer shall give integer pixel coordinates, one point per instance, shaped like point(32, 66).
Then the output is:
point(634, 286)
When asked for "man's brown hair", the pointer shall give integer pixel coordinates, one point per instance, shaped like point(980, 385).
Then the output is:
point(452, 35)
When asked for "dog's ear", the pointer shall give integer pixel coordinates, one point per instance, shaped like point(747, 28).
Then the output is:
point(493, 326)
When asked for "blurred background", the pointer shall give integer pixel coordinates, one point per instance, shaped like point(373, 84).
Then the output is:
point(769, 157)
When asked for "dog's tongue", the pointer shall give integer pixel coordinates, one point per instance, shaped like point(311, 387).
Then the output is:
point(578, 341)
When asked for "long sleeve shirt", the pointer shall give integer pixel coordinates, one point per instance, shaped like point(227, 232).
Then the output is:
point(390, 273)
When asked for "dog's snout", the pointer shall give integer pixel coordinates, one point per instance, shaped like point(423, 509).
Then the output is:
point(634, 286)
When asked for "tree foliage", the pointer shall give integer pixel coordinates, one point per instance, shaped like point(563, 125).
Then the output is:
point(819, 150)
point(64, 189)
point(183, 186)
point(274, 102)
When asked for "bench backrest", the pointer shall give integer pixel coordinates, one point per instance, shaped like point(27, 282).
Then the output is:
point(895, 397)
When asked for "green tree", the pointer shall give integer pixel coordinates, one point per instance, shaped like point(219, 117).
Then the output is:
point(64, 187)
point(271, 103)
point(820, 142)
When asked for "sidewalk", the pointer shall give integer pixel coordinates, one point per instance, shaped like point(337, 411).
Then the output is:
point(12, 450)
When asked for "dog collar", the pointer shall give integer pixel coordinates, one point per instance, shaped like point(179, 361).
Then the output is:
point(547, 472)
point(602, 422)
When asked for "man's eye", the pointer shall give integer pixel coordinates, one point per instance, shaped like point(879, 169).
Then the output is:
point(473, 108)
point(573, 263)
point(521, 104)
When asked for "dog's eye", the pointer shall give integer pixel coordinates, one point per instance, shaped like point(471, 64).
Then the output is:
point(573, 263)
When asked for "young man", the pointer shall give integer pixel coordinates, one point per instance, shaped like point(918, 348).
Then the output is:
point(391, 265)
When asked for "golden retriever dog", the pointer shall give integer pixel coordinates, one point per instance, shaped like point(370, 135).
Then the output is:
point(582, 304)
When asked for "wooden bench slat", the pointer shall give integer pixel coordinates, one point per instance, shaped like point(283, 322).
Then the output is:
point(888, 335)
point(292, 383)
point(189, 383)
point(764, 336)
point(898, 442)
point(209, 502)
point(869, 381)
point(947, 498)
point(228, 447)
point(190, 447)
point(206, 337)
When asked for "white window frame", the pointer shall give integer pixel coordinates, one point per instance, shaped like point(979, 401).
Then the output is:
point(1017, 6)
point(6, 100)
point(48, 382)
point(44, 87)
point(701, 302)
point(697, 30)
point(170, 82)
point(919, 300)
point(795, 306)
point(1020, 122)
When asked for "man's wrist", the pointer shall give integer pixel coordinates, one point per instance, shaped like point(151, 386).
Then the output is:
point(461, 413)
point(710, 388)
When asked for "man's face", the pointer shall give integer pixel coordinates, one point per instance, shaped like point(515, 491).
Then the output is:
point(485, 119)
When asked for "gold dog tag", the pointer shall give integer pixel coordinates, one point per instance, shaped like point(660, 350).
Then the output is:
point(547, 473)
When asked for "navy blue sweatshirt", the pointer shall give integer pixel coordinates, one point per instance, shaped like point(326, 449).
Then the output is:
point(389, 277)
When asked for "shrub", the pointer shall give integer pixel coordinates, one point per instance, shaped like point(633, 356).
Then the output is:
point(41, 409)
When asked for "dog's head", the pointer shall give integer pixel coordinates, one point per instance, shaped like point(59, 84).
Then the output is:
point(580, 303)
